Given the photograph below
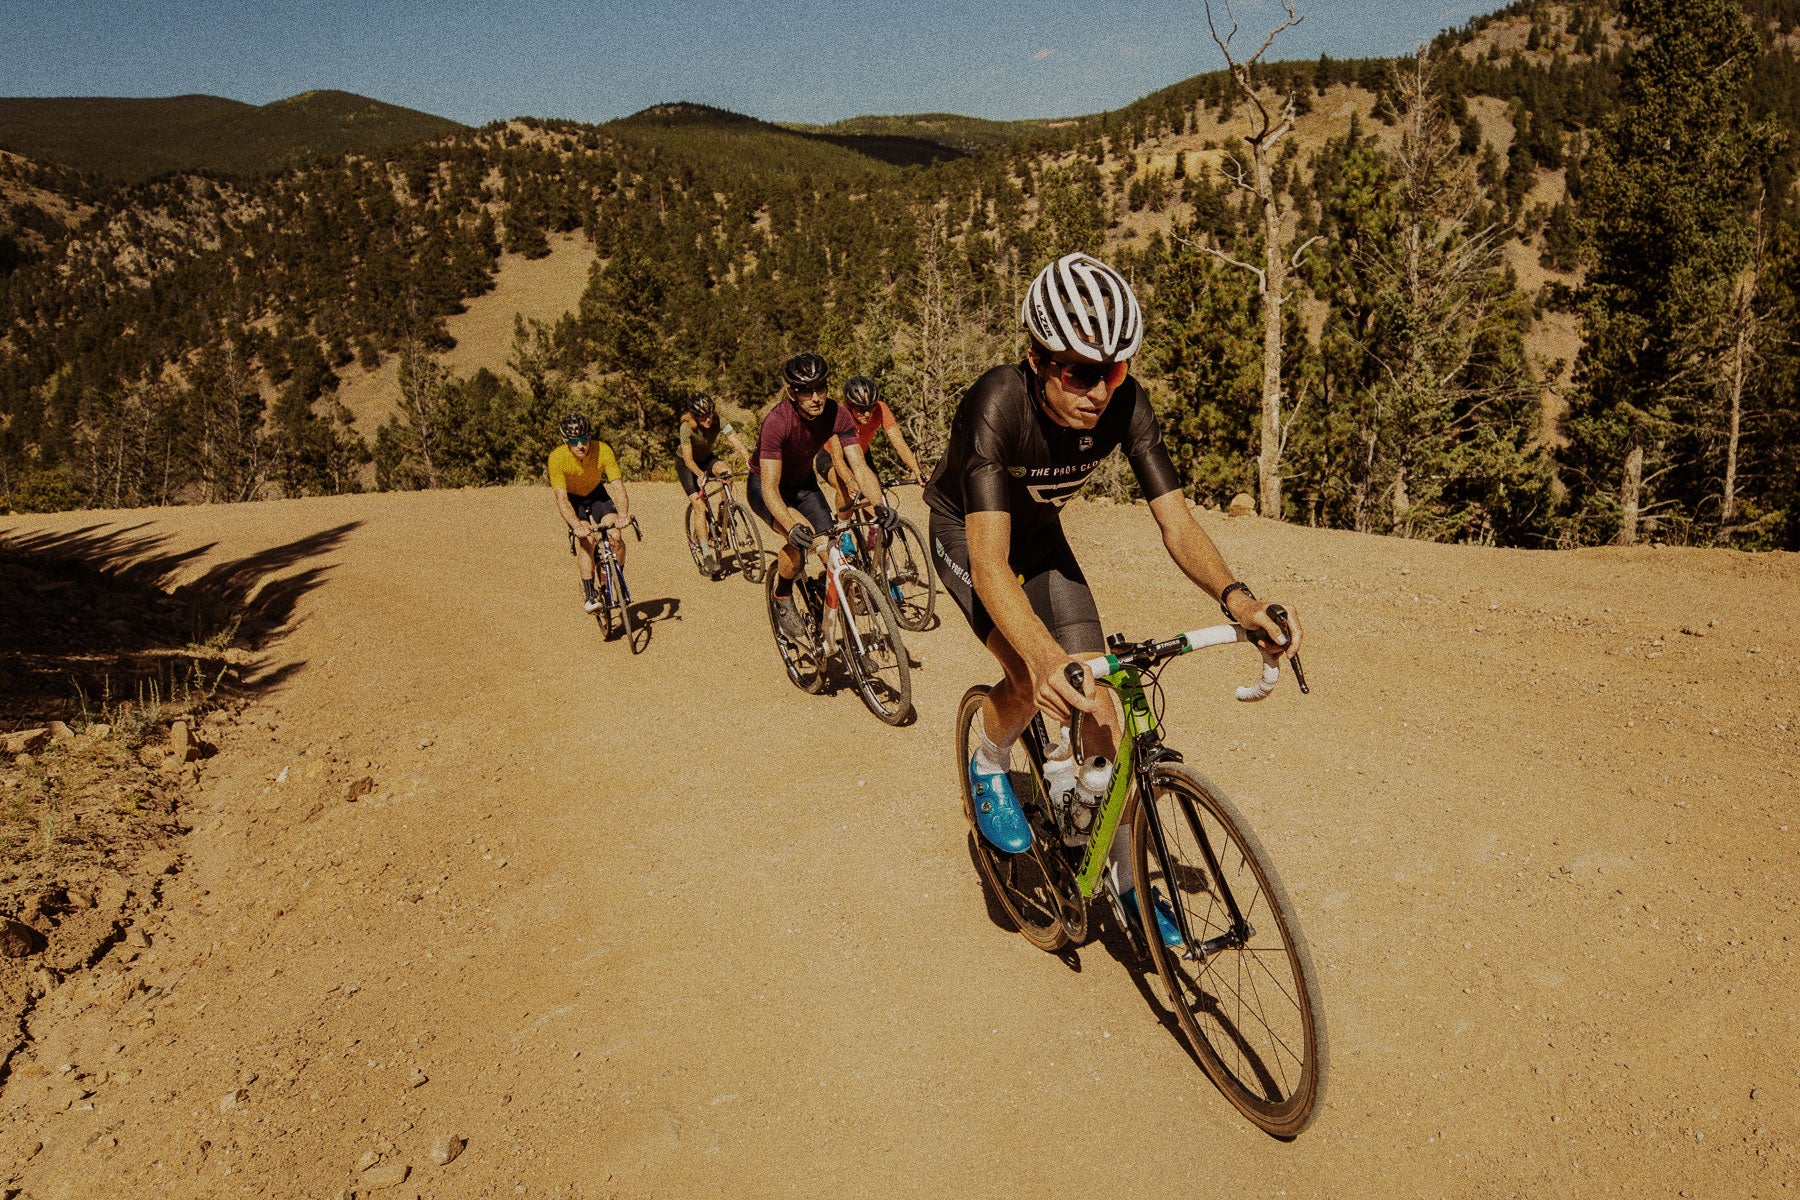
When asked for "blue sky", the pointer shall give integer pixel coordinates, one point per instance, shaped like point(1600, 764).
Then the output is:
point(792, 60)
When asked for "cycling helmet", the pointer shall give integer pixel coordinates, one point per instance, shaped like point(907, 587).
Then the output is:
point(700, 405)
point(575, 428)
point(805, 372)
point(861, 392)
point(1080, 304)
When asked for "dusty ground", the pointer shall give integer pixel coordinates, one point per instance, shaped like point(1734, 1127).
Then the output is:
point(663, 925)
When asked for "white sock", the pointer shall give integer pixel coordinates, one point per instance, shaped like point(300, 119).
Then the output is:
point(992, 758)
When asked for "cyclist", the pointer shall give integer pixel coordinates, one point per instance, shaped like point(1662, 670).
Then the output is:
point(585, 477)
point(783, 491)
point(871, 415)
point(696, 458)
point(1024, 440)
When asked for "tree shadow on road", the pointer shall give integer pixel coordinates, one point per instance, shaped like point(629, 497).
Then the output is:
point(94, 616)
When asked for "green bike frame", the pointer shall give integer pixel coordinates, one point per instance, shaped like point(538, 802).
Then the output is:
point(1139, 720)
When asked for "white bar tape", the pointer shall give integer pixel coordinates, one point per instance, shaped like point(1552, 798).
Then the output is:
point(1271, 675)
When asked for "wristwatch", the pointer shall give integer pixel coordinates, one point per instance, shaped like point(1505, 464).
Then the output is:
point(1236, 585)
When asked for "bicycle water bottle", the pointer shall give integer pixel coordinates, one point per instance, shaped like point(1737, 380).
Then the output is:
point(1059, 781)
point(1091, 782)
point(834, 558)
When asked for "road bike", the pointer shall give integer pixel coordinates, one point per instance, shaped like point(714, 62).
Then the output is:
point(845, 611)
point(1235, 967)
point(729, 530)
point(906, 568)
point(609, 582)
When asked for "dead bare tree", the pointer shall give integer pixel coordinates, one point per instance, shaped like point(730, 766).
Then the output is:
point(1257, 179)
point(1742, 351)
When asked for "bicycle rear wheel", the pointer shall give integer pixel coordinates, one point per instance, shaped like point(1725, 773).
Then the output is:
point(1247, 996)
point(1035, 888)
point(872, 644)
point(746, 544)
point(804, 664)
point(908, 568)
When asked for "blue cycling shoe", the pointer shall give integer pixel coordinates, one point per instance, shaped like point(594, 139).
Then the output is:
point(1165, 916)
point(997, 811)
point(894, 591)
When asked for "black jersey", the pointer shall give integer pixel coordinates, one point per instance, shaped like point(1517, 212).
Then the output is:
point(1007, 455)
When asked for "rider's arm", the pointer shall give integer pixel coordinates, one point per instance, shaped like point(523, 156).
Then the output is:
point(737, 443)
point(621, 499)
point(686, 447)
point(1188, 544)
point(990, 540)
point(892, 428)
point(567, 510)
point(849, 459)
point(785, 517)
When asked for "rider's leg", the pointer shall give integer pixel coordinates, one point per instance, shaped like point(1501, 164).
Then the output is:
point(584, 553)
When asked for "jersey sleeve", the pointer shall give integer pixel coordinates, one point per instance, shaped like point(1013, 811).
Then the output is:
point(684, 434)
point(1150, 462)
point(889, 422)
point(609, 466)
point(774, 430)
point(843, 427)
point(993, 436)
point(558, 477)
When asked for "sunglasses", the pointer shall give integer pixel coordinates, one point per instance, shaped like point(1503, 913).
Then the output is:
point(802, 393)
point(1086, 376)
point(578, 442)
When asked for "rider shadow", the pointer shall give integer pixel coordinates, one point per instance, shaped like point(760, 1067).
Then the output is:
point(1105, 932)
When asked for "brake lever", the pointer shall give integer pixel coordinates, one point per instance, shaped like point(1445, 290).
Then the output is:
point(1287, 630)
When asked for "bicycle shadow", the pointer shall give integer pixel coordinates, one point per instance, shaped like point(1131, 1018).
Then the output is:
point(645, 614)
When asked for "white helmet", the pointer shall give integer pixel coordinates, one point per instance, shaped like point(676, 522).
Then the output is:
point(1079, 303)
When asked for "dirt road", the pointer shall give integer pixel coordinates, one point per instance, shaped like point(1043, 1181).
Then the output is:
point(663, 925)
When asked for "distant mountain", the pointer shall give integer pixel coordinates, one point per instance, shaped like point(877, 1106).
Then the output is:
point(748, 145)
point(130, 140)
point(941, 131)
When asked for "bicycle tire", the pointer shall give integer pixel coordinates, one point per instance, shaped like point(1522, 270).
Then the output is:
point(1271, 1066)
point(805, 666)
point(907, 564)
point(695, 548)
point(623, 604)
point(746, 544)
point(880, 667)
point(1024, 884)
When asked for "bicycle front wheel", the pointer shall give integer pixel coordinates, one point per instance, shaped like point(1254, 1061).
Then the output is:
point(746, 544)
point(1036, 888)
point(872, 643)
point(908, 569)
point(804, 664)
point(1245, 993)
point(697, 537)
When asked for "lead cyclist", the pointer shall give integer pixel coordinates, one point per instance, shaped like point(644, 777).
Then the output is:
point(1024, 441)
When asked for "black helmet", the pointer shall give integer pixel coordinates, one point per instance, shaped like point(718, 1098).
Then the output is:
point(861, 392)
point(575, 428)
point(805, 372)
point(700, 405)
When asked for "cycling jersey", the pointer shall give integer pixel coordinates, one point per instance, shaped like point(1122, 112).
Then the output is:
point(1007, 455)
point(580, 478)
point(700, 440)
point(792, 439)
point(868, 425)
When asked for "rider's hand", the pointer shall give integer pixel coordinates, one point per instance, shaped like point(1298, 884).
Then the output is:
point(1254, 616)
point(1052, 692)
point(721, 471)
point(919, 478)
point(886, 518)
point(802, 537)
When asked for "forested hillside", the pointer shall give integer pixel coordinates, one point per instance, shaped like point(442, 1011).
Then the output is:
point(1538, 286)
point(129, 141)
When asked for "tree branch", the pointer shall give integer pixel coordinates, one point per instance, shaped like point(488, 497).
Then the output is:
point(1262, 279)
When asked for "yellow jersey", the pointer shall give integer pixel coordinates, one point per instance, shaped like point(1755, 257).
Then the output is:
point(578, 478)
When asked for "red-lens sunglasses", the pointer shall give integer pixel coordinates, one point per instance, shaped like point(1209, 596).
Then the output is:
point(1085, 377)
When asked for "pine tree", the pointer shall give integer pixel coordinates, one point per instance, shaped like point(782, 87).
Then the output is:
point(1666, 197)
